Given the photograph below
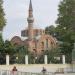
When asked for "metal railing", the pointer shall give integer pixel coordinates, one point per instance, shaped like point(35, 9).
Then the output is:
point(5, 72)
point(60, 70)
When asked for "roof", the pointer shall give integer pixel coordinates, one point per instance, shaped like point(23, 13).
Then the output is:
point(30, 6)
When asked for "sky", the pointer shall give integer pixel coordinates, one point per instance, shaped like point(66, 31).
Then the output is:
point(44, 11)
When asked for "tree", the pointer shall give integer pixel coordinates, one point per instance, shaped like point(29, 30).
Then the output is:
point(22, 49)
point(66, 20)
point(66, 26)
point(50, 30)
point(2, 16)
point(9, 48)
point(53, 53)
point(1, 44)
point(66, 14)
point(20, 52)
point(2, 56)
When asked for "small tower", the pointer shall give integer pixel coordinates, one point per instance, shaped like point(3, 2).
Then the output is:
point(30, 20)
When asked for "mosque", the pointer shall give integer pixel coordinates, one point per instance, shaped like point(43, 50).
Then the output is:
point(35, 39)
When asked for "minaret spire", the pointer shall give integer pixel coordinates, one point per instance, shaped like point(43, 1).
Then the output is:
point(30, 6)
point(30, 20)
point(30, 9)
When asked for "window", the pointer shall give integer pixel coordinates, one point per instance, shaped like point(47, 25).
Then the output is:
point(34, 50)
point(42, 45)
point(46, 43)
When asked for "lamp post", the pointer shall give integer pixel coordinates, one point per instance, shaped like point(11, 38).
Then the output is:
point(16, 59)
point(35, 59)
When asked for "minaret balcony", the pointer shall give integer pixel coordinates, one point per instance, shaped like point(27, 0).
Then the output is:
point(30, 20)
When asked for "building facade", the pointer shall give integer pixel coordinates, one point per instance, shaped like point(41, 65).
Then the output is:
point(35, 39)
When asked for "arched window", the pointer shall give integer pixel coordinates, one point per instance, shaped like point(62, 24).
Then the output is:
point(42, 45)
point(46, 43)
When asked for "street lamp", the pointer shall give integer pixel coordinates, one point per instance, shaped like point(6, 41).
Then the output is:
point(16, 59)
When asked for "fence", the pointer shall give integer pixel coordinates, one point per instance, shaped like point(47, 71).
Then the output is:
point(5, 72)
point(28, 59)
point(61, 71)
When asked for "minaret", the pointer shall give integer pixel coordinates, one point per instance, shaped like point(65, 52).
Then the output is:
point(30, 20)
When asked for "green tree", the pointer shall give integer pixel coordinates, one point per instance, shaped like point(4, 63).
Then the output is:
point(8, 48)
point(21, 49)
point(66, 14)
point(1, 44)
point(66, 20)
point(2, 16)
point(50, 30)
point(20, 52)
point(53, 53)
point(65, 29)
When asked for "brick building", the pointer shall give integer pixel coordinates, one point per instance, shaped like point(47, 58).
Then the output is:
point(35, 39)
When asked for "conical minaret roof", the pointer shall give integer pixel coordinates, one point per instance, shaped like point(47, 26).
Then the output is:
point(30, 6)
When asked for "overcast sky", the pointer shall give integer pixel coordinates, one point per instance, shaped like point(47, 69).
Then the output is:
point(44, 11)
